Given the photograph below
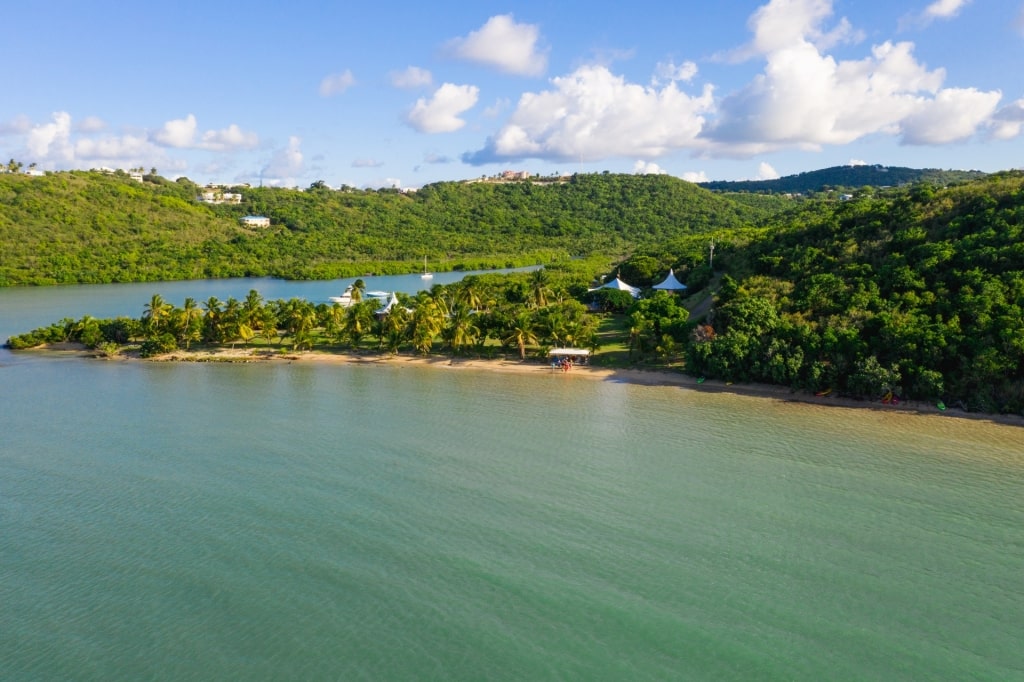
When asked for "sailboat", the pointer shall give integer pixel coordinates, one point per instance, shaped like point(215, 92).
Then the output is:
point(426, 275)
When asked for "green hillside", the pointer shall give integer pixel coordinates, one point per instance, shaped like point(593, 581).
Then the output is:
point(845, 178)
point(87, 227)
point(920, 291)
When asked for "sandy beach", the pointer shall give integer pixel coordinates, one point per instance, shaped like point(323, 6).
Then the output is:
point(579, 372)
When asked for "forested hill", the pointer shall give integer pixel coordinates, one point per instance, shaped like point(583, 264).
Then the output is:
point(919, 291)
point(845, 177)
point(89, 227)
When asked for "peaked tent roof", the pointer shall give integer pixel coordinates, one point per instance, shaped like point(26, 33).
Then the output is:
point(621, 286)
point(670, 283)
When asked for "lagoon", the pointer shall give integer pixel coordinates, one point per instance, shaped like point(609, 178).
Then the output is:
point(275, 521)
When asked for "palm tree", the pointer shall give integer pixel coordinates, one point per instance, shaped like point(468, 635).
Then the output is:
point(521, 333)
point(299, 318)
point(211, 320)
point(155, 315)
point(268, 324)
point(358, 287)
point(230, 320)
point(461, 330)
point(394, 328)
point(359, 320)
point(469, 293)
point(188, 318)
point(427, 322)
point(334, 322)
point(540, 287)
point(251, 307)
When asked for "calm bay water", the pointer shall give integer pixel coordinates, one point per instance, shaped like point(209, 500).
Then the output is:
point(196, 521)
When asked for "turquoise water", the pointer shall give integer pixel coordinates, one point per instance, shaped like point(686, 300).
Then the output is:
point(197, 521)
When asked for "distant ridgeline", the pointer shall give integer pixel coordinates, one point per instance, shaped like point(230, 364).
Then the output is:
point(89, 227)
point(850, 177)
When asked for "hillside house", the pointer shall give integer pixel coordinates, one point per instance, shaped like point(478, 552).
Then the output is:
point(256, 221)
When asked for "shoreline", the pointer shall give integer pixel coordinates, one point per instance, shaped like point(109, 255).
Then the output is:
point(635, 376)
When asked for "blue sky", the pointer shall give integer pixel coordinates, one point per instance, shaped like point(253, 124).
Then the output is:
point(403, 94)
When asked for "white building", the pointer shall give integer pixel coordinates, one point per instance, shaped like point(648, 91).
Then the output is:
point(256, 221)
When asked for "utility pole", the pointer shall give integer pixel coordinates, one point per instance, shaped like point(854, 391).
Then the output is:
point(711, 255)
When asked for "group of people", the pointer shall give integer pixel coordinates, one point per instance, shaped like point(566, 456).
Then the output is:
point(565, 364)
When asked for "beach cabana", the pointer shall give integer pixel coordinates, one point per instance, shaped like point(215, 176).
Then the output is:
point(577, 355)
point(670, 283)
point(621, 286)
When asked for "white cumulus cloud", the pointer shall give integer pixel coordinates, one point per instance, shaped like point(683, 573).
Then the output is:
point(440, 113)
point(52, 141)
point(286, 164)
point(412, 77)
point(642, 167)
point(695, 176)
point(666, 72)
point(336, 83)
point(807, 99)
point(944, 9)
point(228, 139)
point(593, 114)
point(504, 44)
point(1008, 121)
point(765, 171)
point(181, 133)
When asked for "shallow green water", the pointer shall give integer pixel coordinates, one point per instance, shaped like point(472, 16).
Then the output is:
point(382, 523)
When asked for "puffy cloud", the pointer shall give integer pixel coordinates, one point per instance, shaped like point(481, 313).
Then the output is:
point(336, 83)
point(440, 114)
point(857, 162)
point(114, 149)
point(593, 114)
point(938, 10)
point(666, 72)
point(286, 164)
point(179, 133)
point(944, 9)
point(504, 44)
point(228, 139)
point(954, 114)
point(412, 77)
point(807, 99)
point(1008, 121)
point(783, 23)
point(52, 141)
point(642, 167)
point(765, 171)
point(695, 176)
point(53, 145)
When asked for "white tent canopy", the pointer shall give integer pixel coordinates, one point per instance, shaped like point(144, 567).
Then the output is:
point(621, 286)
point(569, 352)
point(670, 283)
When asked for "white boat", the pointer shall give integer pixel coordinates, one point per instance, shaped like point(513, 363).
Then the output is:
point(426, 275)
point(345, 300)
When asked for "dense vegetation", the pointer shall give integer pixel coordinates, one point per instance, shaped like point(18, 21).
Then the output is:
point(80, 227)
point(915, 291)
point(920, 292)
point(845, 177)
